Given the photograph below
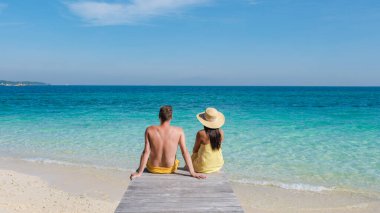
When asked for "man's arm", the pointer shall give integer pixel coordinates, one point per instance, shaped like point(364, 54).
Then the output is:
point(144, 157)
point(186, 156)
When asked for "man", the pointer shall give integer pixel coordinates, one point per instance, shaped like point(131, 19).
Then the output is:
point(161, 143)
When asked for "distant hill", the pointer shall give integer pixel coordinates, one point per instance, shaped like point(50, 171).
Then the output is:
point(21, 83)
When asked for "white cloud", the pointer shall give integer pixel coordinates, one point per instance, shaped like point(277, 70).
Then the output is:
point(131, 12)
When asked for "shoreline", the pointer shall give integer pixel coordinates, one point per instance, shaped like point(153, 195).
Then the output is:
point(88, 188)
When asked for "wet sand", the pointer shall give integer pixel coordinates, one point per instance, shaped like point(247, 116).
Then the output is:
point(267, 199)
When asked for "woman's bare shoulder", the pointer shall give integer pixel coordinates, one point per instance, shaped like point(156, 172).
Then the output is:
point(221, 134)
point(201, 133)
point(202, 136)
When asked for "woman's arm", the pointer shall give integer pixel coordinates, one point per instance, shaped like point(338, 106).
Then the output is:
point(197, 143)
point(144, 157)
point(186, 156)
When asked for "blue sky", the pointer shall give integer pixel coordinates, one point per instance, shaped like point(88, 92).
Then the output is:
point(191, 42)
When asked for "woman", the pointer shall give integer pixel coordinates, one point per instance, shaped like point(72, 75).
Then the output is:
point(207, 152)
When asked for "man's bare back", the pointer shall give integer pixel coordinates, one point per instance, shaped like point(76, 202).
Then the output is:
point(163, 141)
point(161, 144)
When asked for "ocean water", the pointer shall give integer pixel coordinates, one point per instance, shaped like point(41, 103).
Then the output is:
point(305, 138)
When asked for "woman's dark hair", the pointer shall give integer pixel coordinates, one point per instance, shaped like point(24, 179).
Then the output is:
point(215, 137)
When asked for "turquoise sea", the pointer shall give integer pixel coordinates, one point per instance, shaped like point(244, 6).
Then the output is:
point(305, 138)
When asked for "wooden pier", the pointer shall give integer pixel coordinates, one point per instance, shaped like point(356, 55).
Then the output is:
point(179, 193)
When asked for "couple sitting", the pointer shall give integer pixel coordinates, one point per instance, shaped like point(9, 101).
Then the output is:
point(161, 143)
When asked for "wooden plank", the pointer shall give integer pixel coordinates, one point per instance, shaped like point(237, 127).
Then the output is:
point(179, 193)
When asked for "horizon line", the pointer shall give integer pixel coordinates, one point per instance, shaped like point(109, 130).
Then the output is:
point(189, 85)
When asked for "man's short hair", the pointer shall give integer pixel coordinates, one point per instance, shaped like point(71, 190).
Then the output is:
point(166, 113)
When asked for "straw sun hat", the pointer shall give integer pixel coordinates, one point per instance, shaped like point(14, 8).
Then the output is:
point(211, 118)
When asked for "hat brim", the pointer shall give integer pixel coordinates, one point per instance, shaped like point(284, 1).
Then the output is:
point(219, 121)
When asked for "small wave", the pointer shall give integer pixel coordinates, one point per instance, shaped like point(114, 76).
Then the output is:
point(292, 186)
point(66, 163)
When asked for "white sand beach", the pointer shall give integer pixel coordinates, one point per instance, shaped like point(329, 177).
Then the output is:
point(35, 187)
point(26, 193)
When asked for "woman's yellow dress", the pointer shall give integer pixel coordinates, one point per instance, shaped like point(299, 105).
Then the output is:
point(207, 160)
